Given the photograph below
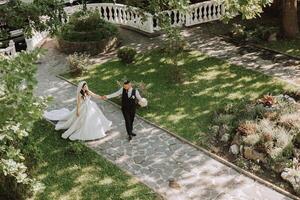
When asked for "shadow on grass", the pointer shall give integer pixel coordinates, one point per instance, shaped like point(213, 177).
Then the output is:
point(291, 47)
point(186, 109)
point(80, 175)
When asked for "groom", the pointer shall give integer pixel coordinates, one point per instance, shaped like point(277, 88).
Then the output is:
point(129, 97)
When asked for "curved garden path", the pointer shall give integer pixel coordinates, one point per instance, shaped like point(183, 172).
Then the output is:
point(154, 156)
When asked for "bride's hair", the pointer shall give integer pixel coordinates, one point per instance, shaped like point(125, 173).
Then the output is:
point(84, 93)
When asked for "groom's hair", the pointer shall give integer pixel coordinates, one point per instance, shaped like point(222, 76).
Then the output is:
point(126, 82)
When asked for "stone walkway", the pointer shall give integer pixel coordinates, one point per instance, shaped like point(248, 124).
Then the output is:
point(154, 156)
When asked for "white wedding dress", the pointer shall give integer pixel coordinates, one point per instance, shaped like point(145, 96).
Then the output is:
point(91, 123)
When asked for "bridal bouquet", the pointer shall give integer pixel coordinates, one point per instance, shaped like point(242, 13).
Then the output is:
point(143, 102)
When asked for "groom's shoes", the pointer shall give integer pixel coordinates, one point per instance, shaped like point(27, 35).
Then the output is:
point(129, 138)
point(133, 134)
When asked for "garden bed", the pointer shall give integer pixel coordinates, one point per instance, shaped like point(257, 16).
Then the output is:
point(262, 137)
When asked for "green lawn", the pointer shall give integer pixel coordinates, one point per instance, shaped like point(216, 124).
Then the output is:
point(185, 108)
point(81, 174)
point(291, 47)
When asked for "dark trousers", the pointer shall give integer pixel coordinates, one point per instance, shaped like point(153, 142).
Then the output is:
point(129, 115)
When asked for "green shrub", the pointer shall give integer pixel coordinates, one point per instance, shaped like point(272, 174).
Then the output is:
point(87, 26)
point(78, 63)
point(127, 54)
point(19, 109)
point(224, 119)
point(238, 31)
point(254, 34)
point(275, 139)
point(86, 20)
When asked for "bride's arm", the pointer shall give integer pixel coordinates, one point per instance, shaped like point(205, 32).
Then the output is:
point(78, 105)
point(94, 95)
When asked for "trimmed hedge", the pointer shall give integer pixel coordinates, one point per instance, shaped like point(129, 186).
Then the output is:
point(87, 32)
point(91, 48)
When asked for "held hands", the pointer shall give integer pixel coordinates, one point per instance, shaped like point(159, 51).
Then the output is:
point(103, 97)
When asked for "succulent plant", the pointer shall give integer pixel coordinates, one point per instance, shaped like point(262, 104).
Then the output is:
point(267, 100)
point(247, 128)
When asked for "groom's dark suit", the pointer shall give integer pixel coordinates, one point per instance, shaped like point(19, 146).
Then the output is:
point(129, 98)
point(128, 109)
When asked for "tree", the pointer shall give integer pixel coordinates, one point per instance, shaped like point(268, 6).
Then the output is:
point(173, 40)
point(19, 110)
point(253, 8)
point(248, 9)
point(39, 15)
point(290, 25)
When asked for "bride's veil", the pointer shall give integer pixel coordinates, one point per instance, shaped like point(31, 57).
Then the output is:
point(62, 114)
point(79, 87)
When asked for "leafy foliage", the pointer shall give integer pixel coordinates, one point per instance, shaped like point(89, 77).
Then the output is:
point(40, 15)
point(78, 62)
point(19, 109)
point(248, 9)
point(253, 34)
point(127, 54)
point(86, 26)
point(174, 42)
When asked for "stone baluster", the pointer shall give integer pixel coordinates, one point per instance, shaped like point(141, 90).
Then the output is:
point(217, 11)
point(188, 17)
point(117, 19)
point(182, 18)
point(149, 23)
point(222, 9)
point(208, 11)
point(213, 11)
point(125, 17)
point(129, 17)
point(121, 15)
point(113, 14)
point(106, 13)
point(110, 18)
point(200, 20)
point(205, 12)
point(175, 17)
point(13, 47)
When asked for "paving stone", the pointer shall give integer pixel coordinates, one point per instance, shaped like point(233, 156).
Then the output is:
point(139, 159)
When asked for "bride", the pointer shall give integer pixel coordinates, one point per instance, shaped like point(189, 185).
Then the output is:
point(85, 122)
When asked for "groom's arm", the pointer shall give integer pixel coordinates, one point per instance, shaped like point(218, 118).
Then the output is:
point(137, 94)
point(115, 94)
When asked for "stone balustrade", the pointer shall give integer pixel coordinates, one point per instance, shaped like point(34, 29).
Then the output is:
point(135, 18)
point(10, 50)
point(204, 12)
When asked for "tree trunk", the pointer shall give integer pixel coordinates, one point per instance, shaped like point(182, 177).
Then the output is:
point(289, 18)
